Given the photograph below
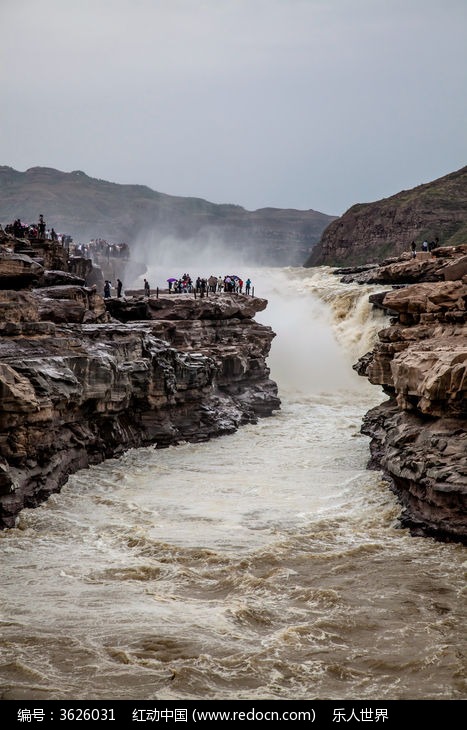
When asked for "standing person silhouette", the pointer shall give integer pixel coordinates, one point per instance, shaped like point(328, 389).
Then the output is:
point(41, 227)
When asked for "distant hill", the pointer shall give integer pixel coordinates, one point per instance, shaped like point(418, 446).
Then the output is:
point(87, 208)
point(371, 232)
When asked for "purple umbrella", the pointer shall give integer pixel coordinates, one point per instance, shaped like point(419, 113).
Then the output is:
point(172, 279)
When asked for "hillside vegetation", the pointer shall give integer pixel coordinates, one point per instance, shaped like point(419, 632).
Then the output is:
point(372, 232)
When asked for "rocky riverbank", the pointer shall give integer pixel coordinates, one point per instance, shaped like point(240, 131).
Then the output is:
point(83, 379)
point(419, 435)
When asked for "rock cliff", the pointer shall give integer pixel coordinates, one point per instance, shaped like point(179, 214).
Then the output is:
point(83, 378)
point(419, 435)
point(435, 212)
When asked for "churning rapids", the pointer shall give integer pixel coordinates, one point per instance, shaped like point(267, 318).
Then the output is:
point(268, 564)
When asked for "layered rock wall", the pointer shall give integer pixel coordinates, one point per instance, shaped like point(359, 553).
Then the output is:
point(419, 435)
point(82, 379)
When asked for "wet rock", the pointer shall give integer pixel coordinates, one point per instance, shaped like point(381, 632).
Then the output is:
point(83, 379)
point(419, 436)
point(18, 271)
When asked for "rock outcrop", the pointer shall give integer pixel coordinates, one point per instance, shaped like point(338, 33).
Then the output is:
point(83, 379)
point(419, 435)
point(435, 212)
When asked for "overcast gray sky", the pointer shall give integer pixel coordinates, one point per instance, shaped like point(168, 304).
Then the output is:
point(286, 103)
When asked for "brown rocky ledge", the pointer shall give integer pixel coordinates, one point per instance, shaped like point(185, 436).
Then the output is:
point(419, 435)
point(83, 379)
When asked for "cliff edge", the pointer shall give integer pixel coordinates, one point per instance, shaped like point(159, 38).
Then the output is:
point(419, 435)
point(83, 379)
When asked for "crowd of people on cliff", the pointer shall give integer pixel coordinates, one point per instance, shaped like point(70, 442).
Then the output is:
point(186, 285)
point(213, 284)
point(39, 231)
point(97, 247)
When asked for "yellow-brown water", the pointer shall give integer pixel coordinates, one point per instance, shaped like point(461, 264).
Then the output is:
point(266, 564)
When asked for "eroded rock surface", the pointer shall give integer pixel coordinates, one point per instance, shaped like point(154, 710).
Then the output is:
point(83, 379)
point(419, 435)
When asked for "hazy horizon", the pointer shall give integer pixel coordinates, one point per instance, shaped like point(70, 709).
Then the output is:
point(303, 104)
